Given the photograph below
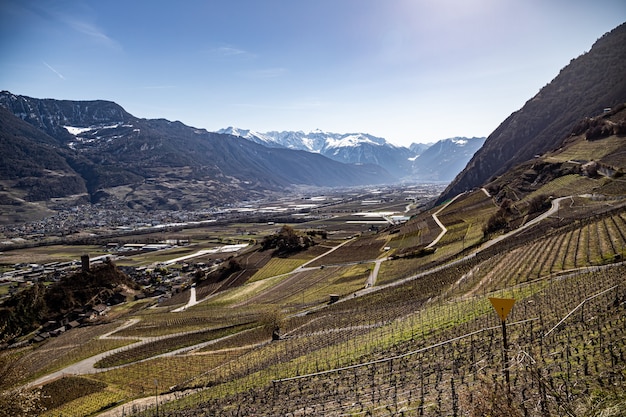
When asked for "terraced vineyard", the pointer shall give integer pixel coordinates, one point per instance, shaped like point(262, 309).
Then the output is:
point(394, 367)
point(416, 232)
point(366, 248)
point(596, 241)
point(565, 186)
point(72, 347)
point(312, 286)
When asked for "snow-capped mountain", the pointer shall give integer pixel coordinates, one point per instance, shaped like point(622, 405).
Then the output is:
point(252, 136)
point(316, 141)
point(419, 148)
point(439, 161)
point(351, 148)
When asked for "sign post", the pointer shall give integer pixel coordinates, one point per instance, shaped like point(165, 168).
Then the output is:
point(503, 306)
point(156, 395)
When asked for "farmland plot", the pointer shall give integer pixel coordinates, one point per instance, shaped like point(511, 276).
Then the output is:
point(312, 287)
point(366, 248)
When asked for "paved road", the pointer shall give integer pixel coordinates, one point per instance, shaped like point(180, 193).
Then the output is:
point(444, 230)
point(86, 365)
point(553, 209)
point(192, 301)
point(371, 280)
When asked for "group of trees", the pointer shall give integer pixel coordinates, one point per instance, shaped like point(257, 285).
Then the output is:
point(286, 242)
point(506, 213)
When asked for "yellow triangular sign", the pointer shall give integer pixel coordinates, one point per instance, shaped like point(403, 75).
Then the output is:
point(502, 306)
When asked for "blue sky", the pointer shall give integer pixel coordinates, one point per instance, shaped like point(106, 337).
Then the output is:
point(405, 70)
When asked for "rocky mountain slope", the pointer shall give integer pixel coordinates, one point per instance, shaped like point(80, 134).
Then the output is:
point(591, 160)
point(31, 161)
point(590, 83)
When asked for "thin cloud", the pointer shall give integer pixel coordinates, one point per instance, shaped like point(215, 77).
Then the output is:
point(53, 70)
point(94, 33)
point(231, 52)
point(265, 73)
point(228, 51)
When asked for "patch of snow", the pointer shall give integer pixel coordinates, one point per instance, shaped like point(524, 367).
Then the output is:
point(310, 144)
point(349, 141)
point(77, 130)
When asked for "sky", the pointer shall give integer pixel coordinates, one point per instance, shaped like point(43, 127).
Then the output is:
point(405, 70)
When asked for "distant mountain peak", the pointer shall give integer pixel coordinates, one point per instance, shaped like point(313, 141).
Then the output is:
point(355, 139)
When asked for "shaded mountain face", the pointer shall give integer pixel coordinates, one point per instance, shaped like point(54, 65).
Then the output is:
point(590, 83)
point(50, 116)
point(105, 153)
point(32, 165)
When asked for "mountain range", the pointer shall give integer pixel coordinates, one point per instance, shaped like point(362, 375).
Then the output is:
point(95, 151)
point(441, 161)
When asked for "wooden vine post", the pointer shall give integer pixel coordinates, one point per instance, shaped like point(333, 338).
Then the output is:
point(503, 306)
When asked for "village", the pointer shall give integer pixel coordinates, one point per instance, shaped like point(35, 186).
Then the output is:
point(155, 281)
